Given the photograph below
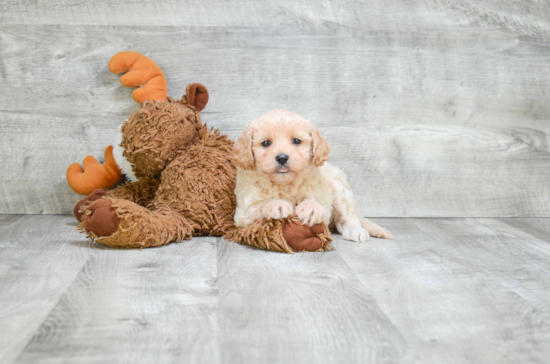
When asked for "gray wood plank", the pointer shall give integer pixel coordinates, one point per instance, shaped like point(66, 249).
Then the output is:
point(445, 291)
point(302, 308)
point(458, 290)
point(146, 306)
point(39, 258)
point(524, 17)
point(245, 13)
point(418, 118)
point(534, 231)
point(35, 182)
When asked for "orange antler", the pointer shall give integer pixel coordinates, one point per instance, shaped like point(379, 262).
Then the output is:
point(141, 71)
point(95, 175)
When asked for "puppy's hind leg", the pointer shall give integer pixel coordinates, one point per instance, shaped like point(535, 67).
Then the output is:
point(345, 216)
point(344, 211)
point(376, 230)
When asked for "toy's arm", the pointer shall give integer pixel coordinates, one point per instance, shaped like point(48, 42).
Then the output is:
point(140, 192)
point(283, 235)
point(94, 175)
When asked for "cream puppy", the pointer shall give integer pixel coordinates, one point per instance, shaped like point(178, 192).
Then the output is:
point(281, 171)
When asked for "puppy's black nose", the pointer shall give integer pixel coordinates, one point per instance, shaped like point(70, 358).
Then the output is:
point(281, 159)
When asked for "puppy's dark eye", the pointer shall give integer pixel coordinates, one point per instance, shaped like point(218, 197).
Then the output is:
point(296, 141)
point(266, 143)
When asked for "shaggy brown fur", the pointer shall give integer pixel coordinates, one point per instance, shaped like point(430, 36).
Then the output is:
point(186, 187)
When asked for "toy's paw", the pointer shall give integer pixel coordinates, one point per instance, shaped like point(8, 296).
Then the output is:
point(101, 218)
point(277, 209)
point(79, 208)
point(358, 234)
point(310, 212)
point(302, 237)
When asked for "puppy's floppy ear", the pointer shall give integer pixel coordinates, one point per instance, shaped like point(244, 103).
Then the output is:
point(319, 148)
point(242, 150)
point(197, 95)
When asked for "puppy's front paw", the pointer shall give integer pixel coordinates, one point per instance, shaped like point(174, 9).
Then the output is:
point(277, 209)
point(359, 235)
point(310, 212)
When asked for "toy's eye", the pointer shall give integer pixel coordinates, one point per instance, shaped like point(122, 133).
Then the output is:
point(296, 141)
point(266, 143)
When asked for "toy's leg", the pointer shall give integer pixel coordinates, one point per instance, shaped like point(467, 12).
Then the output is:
point(306, 238)
point(141, 192)
point(79, 207)
point(125, 224)
point(284, 235)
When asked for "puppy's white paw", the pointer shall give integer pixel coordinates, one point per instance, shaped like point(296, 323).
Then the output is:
point(277, 209)
point(359, 235)
point(310, 212)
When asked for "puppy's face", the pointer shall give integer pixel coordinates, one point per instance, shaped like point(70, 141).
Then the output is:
point(281, 149)
point(282, 145)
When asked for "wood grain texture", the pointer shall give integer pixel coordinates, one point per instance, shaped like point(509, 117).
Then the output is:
point(533, 231)
point(529, 17)
point(147, 306)
point(434, 108)
point(444, 291)
point(40, 256)
point(280, 308)
point(459, 290)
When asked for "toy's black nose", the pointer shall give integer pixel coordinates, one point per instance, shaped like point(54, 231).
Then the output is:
point(281, 159)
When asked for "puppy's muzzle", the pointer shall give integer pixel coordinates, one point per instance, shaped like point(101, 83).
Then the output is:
point(282, 159)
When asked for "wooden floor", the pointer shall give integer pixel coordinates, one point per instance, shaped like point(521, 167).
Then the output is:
point(444, 291)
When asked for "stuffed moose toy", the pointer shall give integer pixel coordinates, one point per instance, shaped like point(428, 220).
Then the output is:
point(181, 176)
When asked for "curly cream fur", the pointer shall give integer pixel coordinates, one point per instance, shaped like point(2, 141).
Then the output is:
point(315, 192)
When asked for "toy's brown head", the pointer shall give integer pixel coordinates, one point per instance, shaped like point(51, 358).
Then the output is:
point(153, 135)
